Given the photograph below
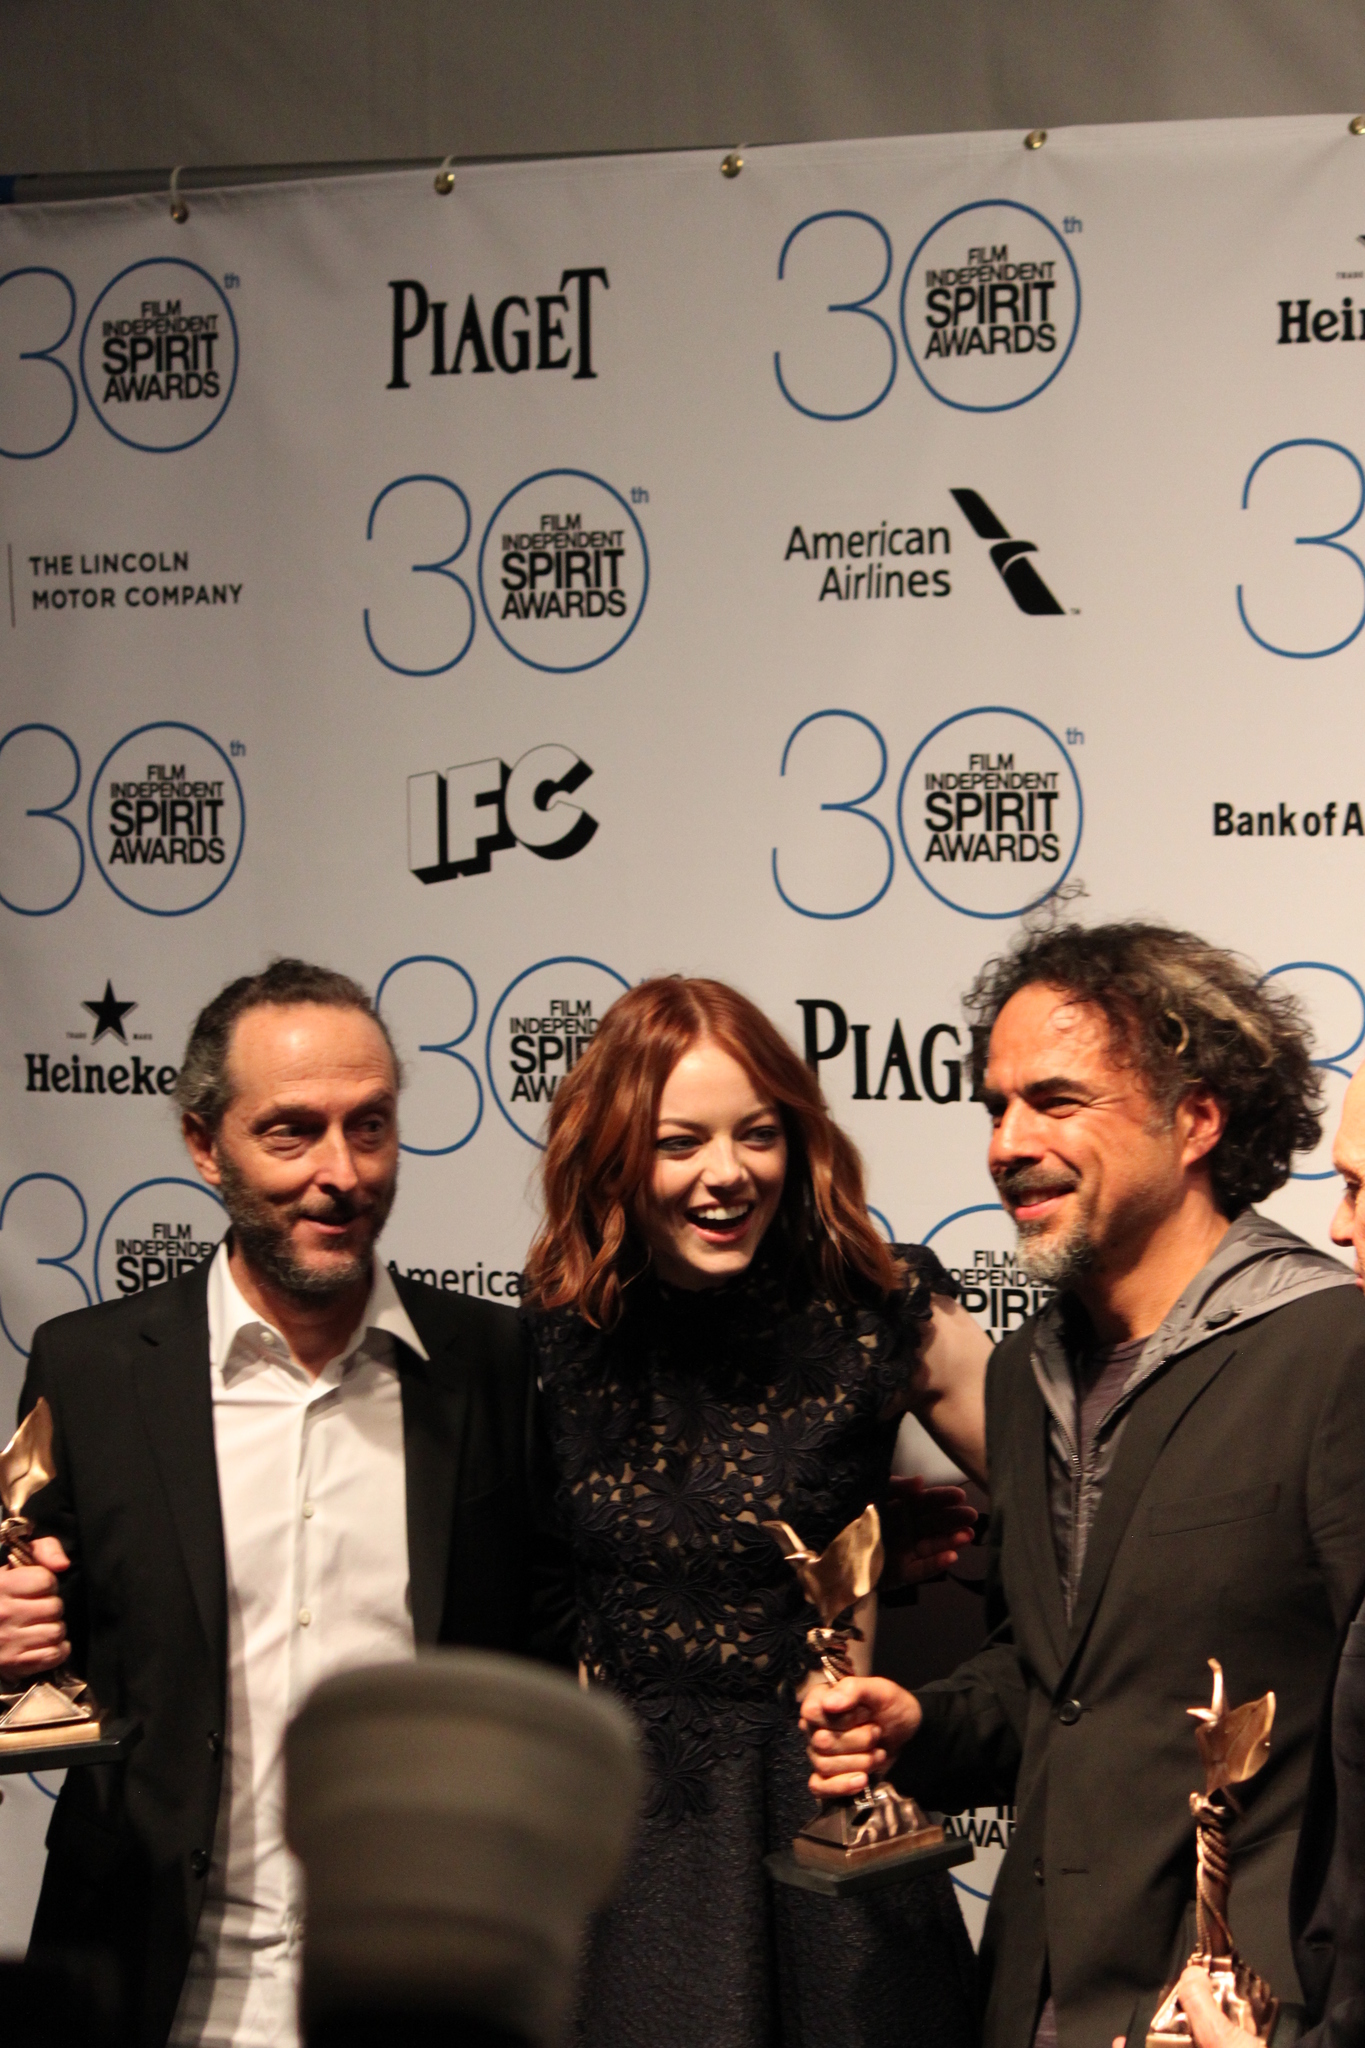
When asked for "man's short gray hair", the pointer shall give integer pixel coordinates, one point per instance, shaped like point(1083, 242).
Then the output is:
point(203, 1089)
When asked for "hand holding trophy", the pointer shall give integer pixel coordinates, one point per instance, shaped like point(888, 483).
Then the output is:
point(57, 1709)
point(854, 1843)
point(1234, 1742)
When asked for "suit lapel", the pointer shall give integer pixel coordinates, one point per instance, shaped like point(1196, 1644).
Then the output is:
point(435, 1413)
point(1156, 1412)
point(171, 1374)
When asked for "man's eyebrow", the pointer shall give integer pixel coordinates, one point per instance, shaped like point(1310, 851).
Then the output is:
point(282, 1106)
point(286, 1110)
point(1047, 1084)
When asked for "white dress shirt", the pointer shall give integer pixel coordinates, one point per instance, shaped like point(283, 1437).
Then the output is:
point(314, 1498)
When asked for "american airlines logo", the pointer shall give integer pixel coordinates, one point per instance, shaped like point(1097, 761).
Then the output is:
point(1022, 580)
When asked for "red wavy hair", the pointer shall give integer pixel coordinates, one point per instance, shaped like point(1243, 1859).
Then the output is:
point(599, 1153)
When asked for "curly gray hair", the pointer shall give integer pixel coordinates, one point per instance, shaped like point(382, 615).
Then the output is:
point(1183, 1014)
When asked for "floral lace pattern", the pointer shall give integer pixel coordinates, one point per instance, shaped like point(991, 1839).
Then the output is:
point(676, 1437)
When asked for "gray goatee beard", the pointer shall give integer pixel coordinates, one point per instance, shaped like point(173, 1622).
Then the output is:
point(1059, 1264)
point(1049, 1261)
point(262, 1234)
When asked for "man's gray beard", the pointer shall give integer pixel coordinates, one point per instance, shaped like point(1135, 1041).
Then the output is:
point(262, 1235)
point(1060, 1263)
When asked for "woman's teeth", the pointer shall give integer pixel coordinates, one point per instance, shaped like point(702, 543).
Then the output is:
point(712, 1219)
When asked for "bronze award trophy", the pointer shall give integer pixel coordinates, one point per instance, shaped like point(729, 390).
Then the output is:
point(857, 1843)
point(1233, 1743)
point(55, 1710)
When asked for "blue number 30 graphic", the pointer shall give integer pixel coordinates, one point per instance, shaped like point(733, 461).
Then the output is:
point(1331, 539)
point(441, 568)
point(47, 356)
point(862, 307)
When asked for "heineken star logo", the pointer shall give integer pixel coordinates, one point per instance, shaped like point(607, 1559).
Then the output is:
point(109, 1013)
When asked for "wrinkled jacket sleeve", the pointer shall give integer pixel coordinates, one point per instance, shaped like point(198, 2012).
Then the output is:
point(970, 1744)
point(968, 1749)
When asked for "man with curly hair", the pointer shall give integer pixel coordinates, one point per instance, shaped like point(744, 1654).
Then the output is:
point(1176, 1448)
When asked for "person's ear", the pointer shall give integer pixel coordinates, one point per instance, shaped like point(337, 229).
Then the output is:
point(1204, 1119)
point(199, 1143)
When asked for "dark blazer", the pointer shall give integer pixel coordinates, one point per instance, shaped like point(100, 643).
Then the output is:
point(1327, 1896)
point(1232, 1525)
point(136, 1503)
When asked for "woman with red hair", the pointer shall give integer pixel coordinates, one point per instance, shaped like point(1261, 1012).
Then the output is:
point(723, 1339)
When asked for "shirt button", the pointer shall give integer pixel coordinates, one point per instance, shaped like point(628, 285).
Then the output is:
point(1069, 1713)
point(215, 1743)
point(308, 1511)
point(199, 1862)
point(305, 1616)
point(1038, 1868)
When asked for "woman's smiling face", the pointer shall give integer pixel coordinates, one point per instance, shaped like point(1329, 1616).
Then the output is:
point(720, 1160)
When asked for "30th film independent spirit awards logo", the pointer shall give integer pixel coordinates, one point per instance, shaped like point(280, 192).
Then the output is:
point(543, 1023)
point(563, 570)
point(990, 811)
point(167, 818)
point(990, 306)
point(158, 354)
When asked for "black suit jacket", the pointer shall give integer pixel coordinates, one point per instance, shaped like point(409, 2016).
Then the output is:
point(1327, 1897)
point(136, 1503)
point(1232, 1525)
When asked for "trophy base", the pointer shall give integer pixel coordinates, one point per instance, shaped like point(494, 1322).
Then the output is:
point(1242, 1997)
point(849, 1879)
point(60, 1735)
point(52, 1710)
point(868, 1828)
point(855, 1844)
point(47, 1749)
point(816, 1854)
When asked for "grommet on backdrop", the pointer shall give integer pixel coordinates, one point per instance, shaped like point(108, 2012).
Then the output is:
point(444, 180)
point(1035, 138)
point(732, 165)
point(1356, 124)
point(180, 211)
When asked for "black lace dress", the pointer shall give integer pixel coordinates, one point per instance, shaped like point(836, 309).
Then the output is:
point(676, 1436)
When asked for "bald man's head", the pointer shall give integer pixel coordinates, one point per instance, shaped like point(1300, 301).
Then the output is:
point(1348, 1157)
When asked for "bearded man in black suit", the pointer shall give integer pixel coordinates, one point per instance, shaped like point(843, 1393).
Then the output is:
point(1176, 1454)
point(287, 1462)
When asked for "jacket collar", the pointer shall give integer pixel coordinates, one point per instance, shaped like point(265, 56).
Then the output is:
point(170, 1369)
point(435, 1423)
point(1257, 1267)
point(230, 1313)
point(174, 1390)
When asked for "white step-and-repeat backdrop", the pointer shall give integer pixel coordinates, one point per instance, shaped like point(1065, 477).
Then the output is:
point(617, 566)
